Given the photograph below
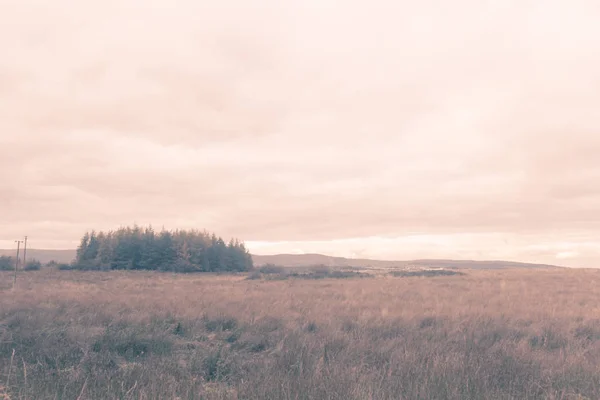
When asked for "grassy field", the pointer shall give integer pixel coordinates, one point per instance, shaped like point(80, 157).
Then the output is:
point(511, 334)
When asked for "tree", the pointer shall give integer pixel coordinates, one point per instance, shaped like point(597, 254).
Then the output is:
point(166, 249)
point(105, 250)
point(81, 250)
point(91, 251)
point(179, 251)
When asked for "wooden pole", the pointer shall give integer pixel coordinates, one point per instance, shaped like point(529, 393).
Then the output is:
point(18, 242)
point(25, 252)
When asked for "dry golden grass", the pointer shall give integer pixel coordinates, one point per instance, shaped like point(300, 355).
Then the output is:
point(511, 334)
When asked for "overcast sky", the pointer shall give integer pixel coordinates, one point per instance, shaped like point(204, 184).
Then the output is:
point(383, 129)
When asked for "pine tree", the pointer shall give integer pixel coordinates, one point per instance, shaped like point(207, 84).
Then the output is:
point(182, 251)
point(81, 250)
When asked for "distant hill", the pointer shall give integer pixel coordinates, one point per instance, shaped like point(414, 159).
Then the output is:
point(44, 256)
point(298, 260)
point(301, 260)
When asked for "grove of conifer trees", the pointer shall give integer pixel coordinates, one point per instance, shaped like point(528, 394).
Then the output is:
point(145, 249)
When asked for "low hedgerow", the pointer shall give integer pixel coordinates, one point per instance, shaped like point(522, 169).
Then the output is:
point(426, 273)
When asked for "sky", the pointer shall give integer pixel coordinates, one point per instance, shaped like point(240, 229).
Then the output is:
point(375, 129)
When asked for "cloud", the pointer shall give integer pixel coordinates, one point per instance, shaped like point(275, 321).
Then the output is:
point(305, 122)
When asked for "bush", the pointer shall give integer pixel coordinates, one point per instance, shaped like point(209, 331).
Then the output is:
point(271, 269)
point(254, 275)
point(218, 365)
point(66, 267)
point(426, 273)
point(7, 263)
point(184, 267)
point(323, 272)
point(219, 323)
point(274, 273)
point(33, 265)
point(131, 343)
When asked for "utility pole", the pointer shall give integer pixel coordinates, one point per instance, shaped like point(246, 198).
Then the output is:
point(25, 252)
point(18, 242)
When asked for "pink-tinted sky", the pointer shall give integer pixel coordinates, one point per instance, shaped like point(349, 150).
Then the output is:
point(382, 129)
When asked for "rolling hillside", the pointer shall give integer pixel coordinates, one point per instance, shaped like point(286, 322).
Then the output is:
point(299, 260)
point(44, 256)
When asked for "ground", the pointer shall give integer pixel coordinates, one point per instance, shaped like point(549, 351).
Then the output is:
point(499, 334)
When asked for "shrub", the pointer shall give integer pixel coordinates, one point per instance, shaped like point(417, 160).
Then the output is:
point(325, 272)
point(131, 343)
point(271, 269)
point(218, 365)
point(33, 265)
point(7, 263)
point(254, 275)
point(220, 323)
point(66, 267)
point(426, 273)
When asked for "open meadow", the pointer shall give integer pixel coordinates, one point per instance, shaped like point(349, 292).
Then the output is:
point(496, 334)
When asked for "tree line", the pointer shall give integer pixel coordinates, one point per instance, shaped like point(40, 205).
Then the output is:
point(8, 263)
point(135, 248)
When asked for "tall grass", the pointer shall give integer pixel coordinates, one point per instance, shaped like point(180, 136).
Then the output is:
point(145, 335)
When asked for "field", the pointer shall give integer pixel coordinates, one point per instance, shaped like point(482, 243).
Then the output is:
point(499, 334)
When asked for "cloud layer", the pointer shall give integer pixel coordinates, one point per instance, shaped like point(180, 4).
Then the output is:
point(307, 126)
